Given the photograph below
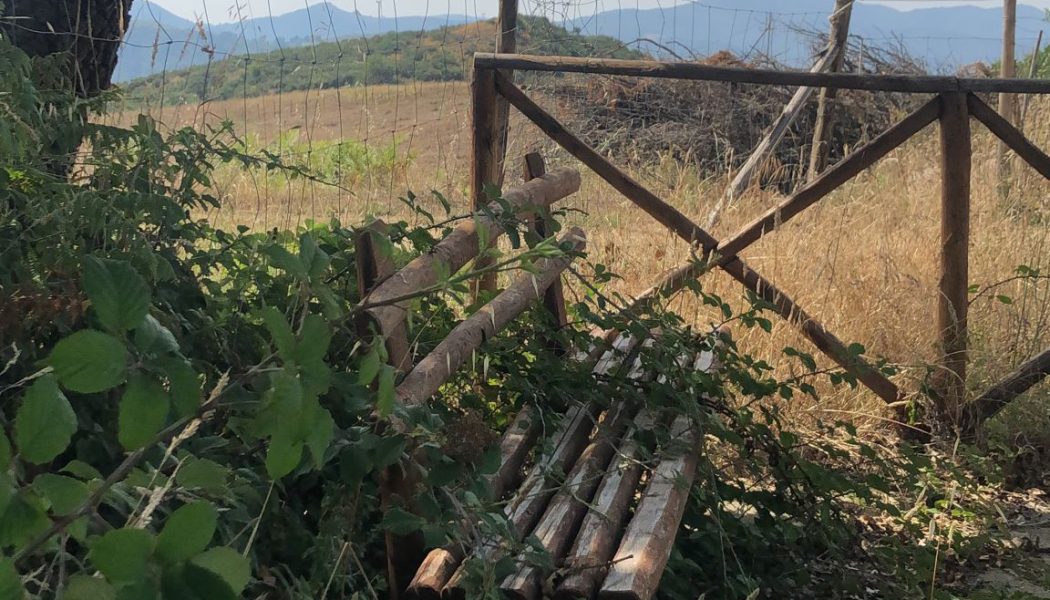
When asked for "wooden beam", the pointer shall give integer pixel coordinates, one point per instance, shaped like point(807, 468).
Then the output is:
point(922, 84)
point(1009, 134)
point(435, 368)
point(459, 247)
point(640, 560)
point(561, 518)
point(485, 150)
point(374, 267)
point(677, 222)
point(988, 404)
point(953, 300)
point(825, 124)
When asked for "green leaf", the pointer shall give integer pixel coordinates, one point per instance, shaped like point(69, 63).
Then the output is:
point(152, 337)
point(1004, 299)
point(385, 395)
point(10, 582)
point(89, 361)
point(45, 422)
point(285, 260)
point(184, 386)
point(24, 519)
point(201, 473)
point(144, 410)
point(313, 258)
point(85, 587)
point(64, 493)
point(187, 532)
point(320, 436)
point(283, 456)
point(402, 522)
point(370, 366)
point(5, 451)
point(122, 554)
point(118, 294)
point(226, 563)
point(280, 331)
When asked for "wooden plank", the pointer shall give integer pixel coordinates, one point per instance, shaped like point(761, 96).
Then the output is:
point(563, 514)
point(953, 299)
point(671, 218)
point(374, 267)
point(1009, 134)
point(459, 247)
point(639, 562)
point(435, 368)
point(988, 404)
point(517, 441)
point(588, 561)
point(825, 124)
point(921, 84)
point(568, 443)
point(554, 297)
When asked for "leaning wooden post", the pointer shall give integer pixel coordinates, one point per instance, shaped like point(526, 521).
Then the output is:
point(554, 297)
point(825, 125)
point(956, 156)
point(403, 552)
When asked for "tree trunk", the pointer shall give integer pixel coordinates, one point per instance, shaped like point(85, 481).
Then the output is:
point(87, 31)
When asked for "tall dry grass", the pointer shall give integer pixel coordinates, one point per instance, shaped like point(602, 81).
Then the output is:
point(864, 261)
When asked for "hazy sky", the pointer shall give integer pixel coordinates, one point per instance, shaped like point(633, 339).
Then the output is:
point(226, 10)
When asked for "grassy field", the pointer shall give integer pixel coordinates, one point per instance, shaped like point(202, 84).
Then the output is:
point(864, 261)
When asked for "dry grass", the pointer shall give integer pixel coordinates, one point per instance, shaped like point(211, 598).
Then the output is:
point(864, 261)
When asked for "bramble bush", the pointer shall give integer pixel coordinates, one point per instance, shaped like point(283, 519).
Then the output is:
point(191, 412)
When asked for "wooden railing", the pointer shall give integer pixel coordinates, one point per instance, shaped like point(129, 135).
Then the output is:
point(955, 102)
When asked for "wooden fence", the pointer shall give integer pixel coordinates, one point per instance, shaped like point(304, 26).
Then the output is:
point(955, 101)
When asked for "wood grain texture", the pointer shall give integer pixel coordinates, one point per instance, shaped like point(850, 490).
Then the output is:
point(922, 84)
point(953, 299)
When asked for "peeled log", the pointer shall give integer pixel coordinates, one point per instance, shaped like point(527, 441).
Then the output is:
point(433, 370)
point(462, 245)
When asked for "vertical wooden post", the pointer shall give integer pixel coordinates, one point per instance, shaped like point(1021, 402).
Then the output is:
point(554, 297)
point(403, 552)
point(825, 125)
point(484, 164)
point(1007, 102)
point(491, 126)
point(956, 156)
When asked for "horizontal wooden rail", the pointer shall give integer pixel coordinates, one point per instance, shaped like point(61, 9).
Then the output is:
point(462, 245)
point(695, 71)
point(466, 337)
point(674, 220)
point(1010, 135)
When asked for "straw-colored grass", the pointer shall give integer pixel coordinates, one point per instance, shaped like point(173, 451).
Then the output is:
point(864, 261)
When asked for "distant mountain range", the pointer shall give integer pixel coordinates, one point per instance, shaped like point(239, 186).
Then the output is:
point(944, 38)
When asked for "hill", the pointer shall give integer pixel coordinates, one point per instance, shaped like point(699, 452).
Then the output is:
point(439, 55)
point(158, 40)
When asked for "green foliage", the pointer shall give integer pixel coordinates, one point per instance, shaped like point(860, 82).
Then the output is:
point(394, 57)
